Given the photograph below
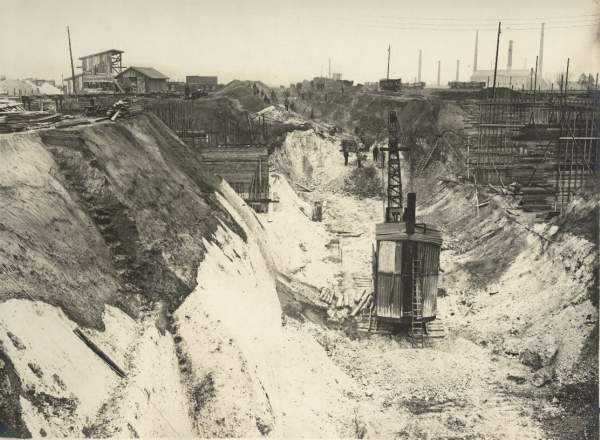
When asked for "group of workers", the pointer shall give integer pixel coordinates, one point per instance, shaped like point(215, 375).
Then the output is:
point(378, 155)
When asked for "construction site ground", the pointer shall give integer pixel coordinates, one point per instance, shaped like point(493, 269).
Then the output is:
point(213, 312)
point(473, 383)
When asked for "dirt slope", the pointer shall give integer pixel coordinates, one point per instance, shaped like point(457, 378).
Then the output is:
point(113, 214)
point(91, 213)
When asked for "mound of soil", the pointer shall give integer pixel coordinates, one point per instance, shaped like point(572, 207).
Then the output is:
point(113, 213)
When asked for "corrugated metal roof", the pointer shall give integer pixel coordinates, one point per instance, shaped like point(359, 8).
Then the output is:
point(150, 72)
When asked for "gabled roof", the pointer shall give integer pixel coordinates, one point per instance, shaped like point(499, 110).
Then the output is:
point(150, 72)
point(112, 51)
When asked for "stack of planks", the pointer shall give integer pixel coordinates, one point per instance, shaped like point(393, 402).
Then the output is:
point(363, 303)
point(19, 121)
point(327, 295)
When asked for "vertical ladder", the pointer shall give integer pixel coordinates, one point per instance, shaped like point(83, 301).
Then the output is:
point(426, 158)
point(416, 324)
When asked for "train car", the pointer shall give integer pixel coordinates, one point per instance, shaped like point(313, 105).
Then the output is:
point(414, 86)
point(390, 85)
point(467, 85)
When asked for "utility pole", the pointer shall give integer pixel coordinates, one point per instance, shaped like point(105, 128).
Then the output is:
point(561, 85)
point(439, 74)
point(329, 71)
point(388, 65)
point(496, 62)
point(72, 66)
point(567, 76)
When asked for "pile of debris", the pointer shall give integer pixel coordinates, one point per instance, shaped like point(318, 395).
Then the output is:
point(10, 105)
point(120, 108)
point(340, 306)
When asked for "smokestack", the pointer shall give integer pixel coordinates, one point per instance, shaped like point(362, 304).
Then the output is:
point(457, 69)
point(541, 54)
point(510, 55)
point(439, 68)
point(420, 64)
point(476, 49)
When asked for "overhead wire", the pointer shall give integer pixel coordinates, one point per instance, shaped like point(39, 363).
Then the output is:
point(449, 24)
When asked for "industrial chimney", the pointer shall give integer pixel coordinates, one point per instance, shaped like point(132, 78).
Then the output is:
point(476, 48)
point(420, 64)
point(541, 54)
point(457, 69)
point(439, 75)
point(510, 55)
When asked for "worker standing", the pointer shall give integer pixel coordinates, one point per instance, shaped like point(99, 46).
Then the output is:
point(375, 154)
point(345, 153)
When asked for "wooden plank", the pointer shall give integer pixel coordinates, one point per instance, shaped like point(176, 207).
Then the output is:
point(87, 341)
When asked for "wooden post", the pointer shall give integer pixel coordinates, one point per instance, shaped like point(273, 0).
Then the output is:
point(72, 66)
point(496, 62)
point(567, 76)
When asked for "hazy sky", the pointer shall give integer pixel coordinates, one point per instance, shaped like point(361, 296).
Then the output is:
point(280, 41)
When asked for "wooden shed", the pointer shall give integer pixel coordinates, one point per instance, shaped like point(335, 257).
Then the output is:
point(405, 262)
point(246, 169)
point(143, 80)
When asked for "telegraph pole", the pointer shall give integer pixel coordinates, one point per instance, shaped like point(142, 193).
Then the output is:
point(496, 62)
point(72, 66)
point(388, 65)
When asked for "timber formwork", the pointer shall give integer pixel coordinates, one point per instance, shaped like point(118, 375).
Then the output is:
point(200, 126)
point(246, 169)
point(230, 147)
point(548, 144)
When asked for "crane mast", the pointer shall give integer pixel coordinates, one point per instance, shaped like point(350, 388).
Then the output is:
point(393, 211)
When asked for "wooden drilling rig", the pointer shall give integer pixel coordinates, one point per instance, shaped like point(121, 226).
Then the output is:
point(406, 257)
